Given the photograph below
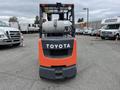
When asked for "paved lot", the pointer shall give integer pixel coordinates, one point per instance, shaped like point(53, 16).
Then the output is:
point(98, 66)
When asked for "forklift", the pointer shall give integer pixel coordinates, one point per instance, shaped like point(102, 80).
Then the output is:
point(57, 43)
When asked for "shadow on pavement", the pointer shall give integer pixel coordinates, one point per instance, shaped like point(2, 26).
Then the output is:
point(58, 81)
point(7, 47)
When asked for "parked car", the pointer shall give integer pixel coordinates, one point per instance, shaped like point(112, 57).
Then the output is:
point(87, 32)
point(9, 35)
point(79, 31)
point(94, 32)
point(111, 30)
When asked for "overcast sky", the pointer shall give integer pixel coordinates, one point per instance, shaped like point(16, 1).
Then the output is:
point(27, 9)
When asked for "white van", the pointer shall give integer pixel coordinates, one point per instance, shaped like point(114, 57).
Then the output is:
point(33, 28)
point(9, 35)
point(111, 28)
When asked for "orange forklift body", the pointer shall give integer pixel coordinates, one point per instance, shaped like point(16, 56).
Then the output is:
point(48, 62)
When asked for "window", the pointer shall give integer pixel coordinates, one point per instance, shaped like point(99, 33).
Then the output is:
point(113, 26)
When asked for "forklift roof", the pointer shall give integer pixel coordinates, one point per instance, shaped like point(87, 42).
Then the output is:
point(56, 5)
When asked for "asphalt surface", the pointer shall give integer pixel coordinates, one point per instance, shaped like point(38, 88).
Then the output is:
point(98, 66)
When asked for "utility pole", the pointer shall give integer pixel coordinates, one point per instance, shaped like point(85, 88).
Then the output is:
point(87, 11)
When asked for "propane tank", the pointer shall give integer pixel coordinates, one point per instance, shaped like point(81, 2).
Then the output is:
point(56, 26)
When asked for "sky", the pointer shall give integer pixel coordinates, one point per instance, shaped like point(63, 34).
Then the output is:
point(26, 10)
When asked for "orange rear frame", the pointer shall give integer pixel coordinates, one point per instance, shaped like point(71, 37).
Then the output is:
point(48, 62)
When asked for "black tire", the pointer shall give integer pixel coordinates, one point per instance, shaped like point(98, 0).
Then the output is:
point(103, 38)
point(40, 75)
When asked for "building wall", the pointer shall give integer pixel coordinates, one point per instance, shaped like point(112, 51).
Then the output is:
point(92, 24)
point(95, 24)
point(80, 25)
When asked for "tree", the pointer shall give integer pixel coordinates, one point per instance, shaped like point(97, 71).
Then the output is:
point(80, 20)
point(36, 20)
point(13, 19)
